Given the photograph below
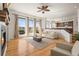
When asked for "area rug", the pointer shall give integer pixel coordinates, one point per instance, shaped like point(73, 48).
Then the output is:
point(39, 45)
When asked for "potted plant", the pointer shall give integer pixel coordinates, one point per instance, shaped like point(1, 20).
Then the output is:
point(77, 36)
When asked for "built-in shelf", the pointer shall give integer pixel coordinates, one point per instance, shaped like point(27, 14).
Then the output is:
point(68, 26)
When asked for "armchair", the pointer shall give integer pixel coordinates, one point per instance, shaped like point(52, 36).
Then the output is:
point(65, 49)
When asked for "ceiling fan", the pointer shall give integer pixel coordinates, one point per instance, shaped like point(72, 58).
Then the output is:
point(43, 8)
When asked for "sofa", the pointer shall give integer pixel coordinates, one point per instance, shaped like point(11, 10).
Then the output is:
point(51, 34)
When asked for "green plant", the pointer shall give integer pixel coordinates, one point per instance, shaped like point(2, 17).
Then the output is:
point(21, 31)
point(77, 36)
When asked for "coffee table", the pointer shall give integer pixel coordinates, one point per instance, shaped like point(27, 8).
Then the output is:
point(38, 39)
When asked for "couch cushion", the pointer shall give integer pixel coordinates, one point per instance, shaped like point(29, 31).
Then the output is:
point(50, 34)
point(75, 49)
point(61, 51)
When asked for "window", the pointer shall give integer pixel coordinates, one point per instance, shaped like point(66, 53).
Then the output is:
point(48, 24)
point(21, 25)
point(53, 24)
point(31, 27)
point(37, 26)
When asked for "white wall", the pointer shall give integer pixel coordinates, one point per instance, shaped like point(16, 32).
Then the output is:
point(0, 31)
point(75, 25)
point(0, 39)
point(64, 18)
point(78, 20)
point(11, 26)
point(1, 25)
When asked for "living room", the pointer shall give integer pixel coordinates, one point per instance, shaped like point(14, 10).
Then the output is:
point(36, 28)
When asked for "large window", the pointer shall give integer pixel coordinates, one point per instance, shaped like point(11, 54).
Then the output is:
point(48, 24)
point(21, 25)
point(31, 27)
point(53, 24)
point(37, 26)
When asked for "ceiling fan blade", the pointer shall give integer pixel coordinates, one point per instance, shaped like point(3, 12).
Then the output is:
point(47, 10)
point(46, 6)
point(39, 10)
point(39, 7)
point(43, 12)
point(42, 7)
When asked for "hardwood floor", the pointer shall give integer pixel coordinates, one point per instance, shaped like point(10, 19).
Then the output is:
point(0, 41)
point(19, 47)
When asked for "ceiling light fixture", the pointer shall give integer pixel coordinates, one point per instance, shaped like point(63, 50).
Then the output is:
point(43, 8)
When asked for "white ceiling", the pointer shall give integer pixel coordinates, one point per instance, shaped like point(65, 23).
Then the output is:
point(56, 9)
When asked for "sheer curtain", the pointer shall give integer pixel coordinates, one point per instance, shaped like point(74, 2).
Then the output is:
point(39, 27)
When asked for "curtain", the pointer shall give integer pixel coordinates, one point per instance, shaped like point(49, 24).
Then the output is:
point(39, 28)
point(16, 27)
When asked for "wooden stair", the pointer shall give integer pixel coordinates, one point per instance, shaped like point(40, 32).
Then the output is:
point(74, 38)
point(4, 17)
